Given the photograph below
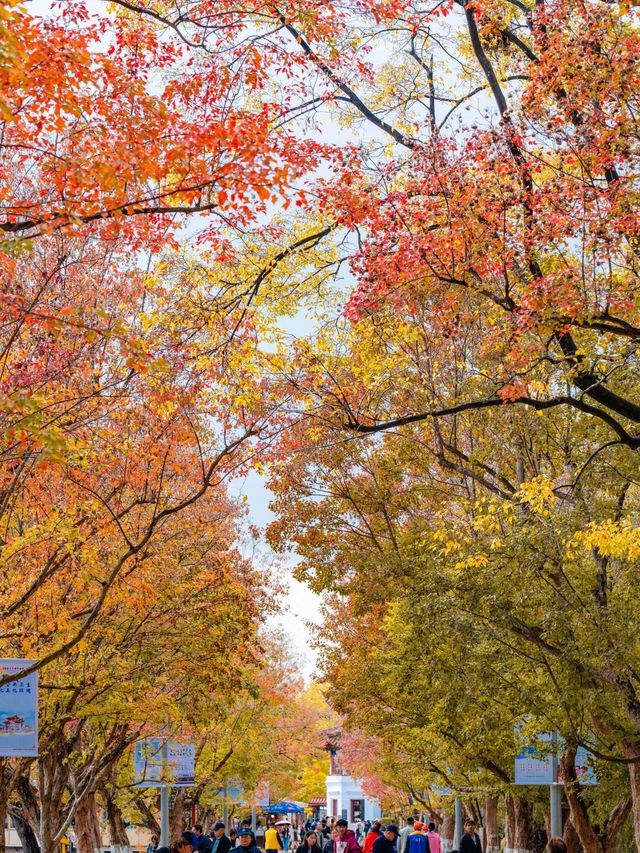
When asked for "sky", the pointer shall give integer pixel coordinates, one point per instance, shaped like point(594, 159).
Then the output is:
point(300, 604)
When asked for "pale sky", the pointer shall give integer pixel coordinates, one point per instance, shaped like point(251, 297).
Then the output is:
point(300, 604)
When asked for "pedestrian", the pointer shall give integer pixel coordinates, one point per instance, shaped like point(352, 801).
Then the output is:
point(272, 840)
point(203, 843)
point(184, 844)
point(556, 845)
point(345, 840)
point(470, 841)
point(386, 842)
point(246, 824)
point(152, 846)
point(233, 837)
point(328, 844)
point(246, 841)
point(371, 837)
point(310, 844)
point(221, 843)
point(435, 842)
point(405, 832)
point(367, 826)
point(416, 841)
point(259, 835)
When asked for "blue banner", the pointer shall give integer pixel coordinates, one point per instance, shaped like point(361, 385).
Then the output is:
point(18, 710)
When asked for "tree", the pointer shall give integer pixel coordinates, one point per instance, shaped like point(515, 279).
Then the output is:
point(181, 625)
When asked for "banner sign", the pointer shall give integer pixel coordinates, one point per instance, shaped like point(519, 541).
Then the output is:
point(585, 773)
point(261, 795)
point(534, 763)
point(18, 710)
point(149, 770)
point(532, 768)
point(234, 793)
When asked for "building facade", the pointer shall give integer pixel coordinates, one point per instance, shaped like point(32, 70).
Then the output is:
point(345, 798)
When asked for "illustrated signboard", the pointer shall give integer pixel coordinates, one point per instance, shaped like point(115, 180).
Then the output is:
point(534, 763)
point(18, 710)
point(150, 770)
point(234, 793)
point(584, 770)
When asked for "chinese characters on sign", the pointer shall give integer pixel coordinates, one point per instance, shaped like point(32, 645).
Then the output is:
point(534, 763)
point(18, 710)
point(532, 768)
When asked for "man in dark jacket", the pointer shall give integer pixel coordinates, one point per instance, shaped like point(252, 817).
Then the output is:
point(470, 841)
point(246, 842)
point(221, 843)
point(386, 843)
point(203, 842)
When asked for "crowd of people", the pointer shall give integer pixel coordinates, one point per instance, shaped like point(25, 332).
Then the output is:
point(327, 836)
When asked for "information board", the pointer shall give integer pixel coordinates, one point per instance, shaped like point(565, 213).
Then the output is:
point(150, 771)
point(532, 768)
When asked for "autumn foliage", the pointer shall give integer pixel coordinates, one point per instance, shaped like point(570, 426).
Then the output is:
point(389, 251)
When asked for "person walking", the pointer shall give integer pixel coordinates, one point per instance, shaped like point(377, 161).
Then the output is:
point(416, 841)
point(470, 841)
point(435, 842)
point(221, 842)
point(345, 840)
point(310, 843)
point(152, 846)
point(272, 840)
point(386, 842)
point(246, 841)
point(371, 837)
point(203, 843)
point(327, 847)
point(405, 832)
point(184, 844)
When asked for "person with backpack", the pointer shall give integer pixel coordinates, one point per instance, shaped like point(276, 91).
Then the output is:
point(417, 842)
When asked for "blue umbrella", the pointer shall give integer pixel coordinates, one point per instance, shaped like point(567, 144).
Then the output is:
point(285, 807)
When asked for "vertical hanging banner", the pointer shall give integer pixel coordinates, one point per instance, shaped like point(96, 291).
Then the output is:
point(18, 710)
point(261, 795)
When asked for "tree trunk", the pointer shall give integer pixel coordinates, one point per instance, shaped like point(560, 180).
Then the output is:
point(490, 821)
point(634, 782)
point(117, 828)
point(26, 834)
point(4, 799)
point(176, 816)
point(570, 837)
point(518, 825)
point(87, 826)
point(447, 831)
point(10, 772)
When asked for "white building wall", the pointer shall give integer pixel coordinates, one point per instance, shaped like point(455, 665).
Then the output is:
point(344, 789)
